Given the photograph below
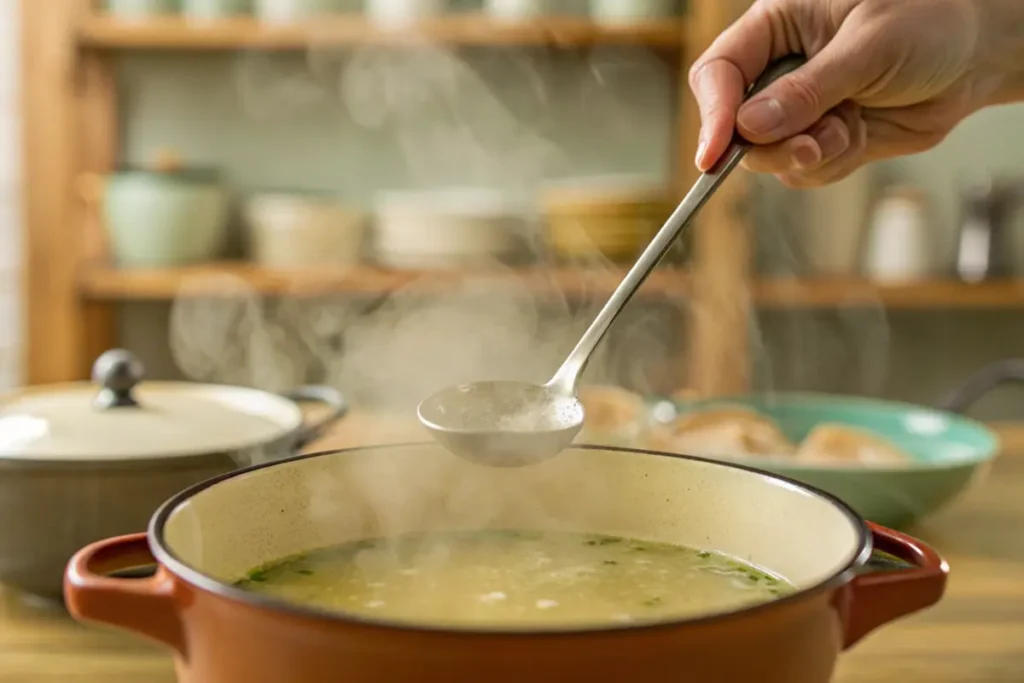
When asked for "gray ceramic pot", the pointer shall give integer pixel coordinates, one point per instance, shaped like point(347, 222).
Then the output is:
point(80, 462)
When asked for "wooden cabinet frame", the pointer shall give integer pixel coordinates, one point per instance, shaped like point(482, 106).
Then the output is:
point(70, 129)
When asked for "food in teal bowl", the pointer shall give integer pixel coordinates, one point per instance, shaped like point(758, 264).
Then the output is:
point(894, 463)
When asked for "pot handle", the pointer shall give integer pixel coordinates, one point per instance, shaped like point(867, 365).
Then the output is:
point(328, 396)
point(877, 598)
point(982, 382)
point(145, 606)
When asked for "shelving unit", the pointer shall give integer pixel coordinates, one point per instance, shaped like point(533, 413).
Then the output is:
point(105, 284)
point(99, 32)
point(925, 295)
point(71, 128)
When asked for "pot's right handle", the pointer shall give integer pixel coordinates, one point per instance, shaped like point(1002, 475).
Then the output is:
point(145, 606)
point(982, 382)
point(877, 598)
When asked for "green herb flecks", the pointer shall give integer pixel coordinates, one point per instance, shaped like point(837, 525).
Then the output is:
point(257, 575)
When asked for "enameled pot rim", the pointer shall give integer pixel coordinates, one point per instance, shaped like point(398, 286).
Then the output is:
point(166, 558)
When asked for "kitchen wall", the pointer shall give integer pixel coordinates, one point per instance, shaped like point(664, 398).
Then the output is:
point(357, 123)
point(10, 210)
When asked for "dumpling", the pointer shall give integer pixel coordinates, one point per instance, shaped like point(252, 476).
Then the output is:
point(843, 444)
point(612, 415)
point(723, 432)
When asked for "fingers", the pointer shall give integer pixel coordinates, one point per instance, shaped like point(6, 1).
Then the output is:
point(820, 145)
point(844, 128)
point(795, 102)
point(720, 77)
point(719, 87)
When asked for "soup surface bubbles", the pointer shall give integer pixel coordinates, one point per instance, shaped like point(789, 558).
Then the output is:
point(516, 578)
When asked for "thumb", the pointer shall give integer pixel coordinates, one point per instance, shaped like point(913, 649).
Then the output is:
point(795, 102)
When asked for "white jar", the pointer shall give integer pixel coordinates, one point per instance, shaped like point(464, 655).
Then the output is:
point(292, 11)
point(516, 10)
point(624, 12)
point(294, 232)
point(901, 246)
point(393, 13)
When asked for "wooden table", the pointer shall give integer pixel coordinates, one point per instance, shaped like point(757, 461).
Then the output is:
point(975, 636)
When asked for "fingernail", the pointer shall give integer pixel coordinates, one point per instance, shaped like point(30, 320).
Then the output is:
point(761, 116)
point(702, 146)
point(806, 155)
point(833, 140)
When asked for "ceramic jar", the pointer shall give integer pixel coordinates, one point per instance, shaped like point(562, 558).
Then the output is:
point(292, 11)
point(295, 231)
point(516, 10)
point(901, 246)
point(140, 9)
point(401, 12)
point(210, 10)
point(613, 12)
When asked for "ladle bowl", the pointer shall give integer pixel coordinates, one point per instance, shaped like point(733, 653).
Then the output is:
point(503, 423)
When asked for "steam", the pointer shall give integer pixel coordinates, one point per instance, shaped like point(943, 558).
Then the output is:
point(453, 126)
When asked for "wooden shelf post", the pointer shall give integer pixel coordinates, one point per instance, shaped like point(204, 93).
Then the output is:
point(69, 127)
point(719, 353)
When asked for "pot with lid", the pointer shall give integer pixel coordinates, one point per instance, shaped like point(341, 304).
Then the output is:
point(81, 461)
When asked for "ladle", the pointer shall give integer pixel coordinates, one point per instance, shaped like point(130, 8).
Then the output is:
point(506, 423)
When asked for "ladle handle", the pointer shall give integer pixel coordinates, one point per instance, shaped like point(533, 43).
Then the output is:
point(567, 377)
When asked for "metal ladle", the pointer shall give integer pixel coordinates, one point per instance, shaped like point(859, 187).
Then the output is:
point(508, 424)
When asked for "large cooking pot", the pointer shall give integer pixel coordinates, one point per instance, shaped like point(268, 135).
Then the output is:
point(211, 535)
point(81, 462)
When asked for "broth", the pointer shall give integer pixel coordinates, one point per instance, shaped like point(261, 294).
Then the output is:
point(516, 578)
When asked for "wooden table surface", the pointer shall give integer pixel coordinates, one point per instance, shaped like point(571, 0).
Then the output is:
point(976, 635)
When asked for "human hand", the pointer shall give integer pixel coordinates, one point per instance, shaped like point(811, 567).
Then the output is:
point(884, 78)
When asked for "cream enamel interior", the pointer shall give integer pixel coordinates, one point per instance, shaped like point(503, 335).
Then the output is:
point(60, 422)
point(266, 514)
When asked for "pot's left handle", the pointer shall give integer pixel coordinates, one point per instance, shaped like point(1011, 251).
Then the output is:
point(877, 598)
point(328, 396)
point(146, 606)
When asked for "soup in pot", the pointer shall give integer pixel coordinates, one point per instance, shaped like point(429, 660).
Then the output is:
point(516, 578)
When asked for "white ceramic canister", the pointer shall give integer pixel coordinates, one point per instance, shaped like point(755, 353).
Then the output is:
point(139, 10)
point(618, 12)
point(292, 11)
point(901, 246)
point(447, 227)
point(395, 13)
point(835, 220)
point(294, 231)
point(516, 10)
point(213, 10)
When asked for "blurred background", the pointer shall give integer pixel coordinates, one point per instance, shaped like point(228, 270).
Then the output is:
point(238, 200)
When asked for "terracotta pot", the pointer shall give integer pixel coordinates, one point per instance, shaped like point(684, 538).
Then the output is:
point(80, 462)
point(212, 534)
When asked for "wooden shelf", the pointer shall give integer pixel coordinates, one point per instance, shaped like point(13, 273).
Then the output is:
point(228, 279)
point(461, 29)
point(852, 293)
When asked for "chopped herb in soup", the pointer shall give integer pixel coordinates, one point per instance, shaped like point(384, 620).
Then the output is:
point(516, 578)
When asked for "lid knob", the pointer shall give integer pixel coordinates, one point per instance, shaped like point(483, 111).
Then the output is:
point(117, 372)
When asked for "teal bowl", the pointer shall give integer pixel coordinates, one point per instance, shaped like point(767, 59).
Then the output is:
point(949, 452)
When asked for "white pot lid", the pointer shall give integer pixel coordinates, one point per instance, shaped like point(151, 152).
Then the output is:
point(119, 418)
